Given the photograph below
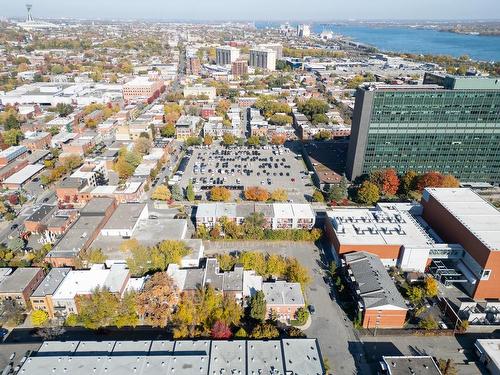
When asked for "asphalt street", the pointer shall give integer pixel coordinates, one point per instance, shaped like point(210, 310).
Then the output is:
point(337, 339)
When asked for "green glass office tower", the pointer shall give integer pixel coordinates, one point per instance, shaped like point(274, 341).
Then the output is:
point(448, 124)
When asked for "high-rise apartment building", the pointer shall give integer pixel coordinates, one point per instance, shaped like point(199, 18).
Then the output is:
point(304, 31)
point(239, 68)
point(193, 65)
point(263, 58)
point(449, 124)
point(226, 55)
point(276, 47)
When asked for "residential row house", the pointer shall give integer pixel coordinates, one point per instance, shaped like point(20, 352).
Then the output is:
point(276, 215)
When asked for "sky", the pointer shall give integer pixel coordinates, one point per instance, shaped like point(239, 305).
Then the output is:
point(253, 10)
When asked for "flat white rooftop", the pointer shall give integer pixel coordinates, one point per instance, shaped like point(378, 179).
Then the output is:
point(384, 225)
point(476, 214)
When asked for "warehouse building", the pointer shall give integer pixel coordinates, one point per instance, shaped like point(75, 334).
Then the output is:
point(204, 357)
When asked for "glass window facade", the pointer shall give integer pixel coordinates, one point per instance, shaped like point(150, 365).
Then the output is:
point(451, 131)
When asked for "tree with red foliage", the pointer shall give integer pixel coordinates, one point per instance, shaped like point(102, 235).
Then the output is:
point(13, 199)
point(220, 330)
point(430, 179)
point(390, 182)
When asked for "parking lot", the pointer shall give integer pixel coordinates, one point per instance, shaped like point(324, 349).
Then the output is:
point(237, 168)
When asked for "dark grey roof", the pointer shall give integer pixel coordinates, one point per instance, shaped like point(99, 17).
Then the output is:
point(212, 275)
point(42, 214)
point(97, 207)
point(18, 281)
point(72, 182)
point(194, 278)
point(375, 285)
point(411, 365)
point(51, 282)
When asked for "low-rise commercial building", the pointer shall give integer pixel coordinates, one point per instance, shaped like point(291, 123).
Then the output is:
point(20, 178)
point(204, 357)
point(186, 126)
point(41, 299)
point(199, 90)
point(10, 154)
point(82, 233)
point(488, 351)
point(463, 217)
point(141, 87)
point(409, 365)
point(84, 282)
point(20, 284)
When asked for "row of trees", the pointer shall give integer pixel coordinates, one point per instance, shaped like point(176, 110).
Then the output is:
point(254, 228)
point(253, 193)
point(201, 313)
point(386, 183)
point(268, 265)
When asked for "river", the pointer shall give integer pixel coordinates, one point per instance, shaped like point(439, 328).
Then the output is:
point(421, 41)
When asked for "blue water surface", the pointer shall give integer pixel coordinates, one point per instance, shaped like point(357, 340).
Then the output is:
point(421, 41)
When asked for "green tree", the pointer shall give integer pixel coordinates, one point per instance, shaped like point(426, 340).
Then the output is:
point(409, 182)
point(318, 196)
point(320, 118)
point(428, 323)
point(265, 331)
point(12, 122)
point(12, 137)
point(368, 193)
point(63, 109)
point(312, 107)
point(190, 195)
point(257, 306)
point(177, 193)
point(168, 131)
point(415, 295)
point(39, 318)
point(302, 315)
point(161, 193)
point(167, 252)
point(139, 261)
point(228, 139)
point(98, 309)
point(253, 141)
point(126, 315)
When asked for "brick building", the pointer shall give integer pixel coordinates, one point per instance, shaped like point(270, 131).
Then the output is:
point(20, 284)
point(379, 302)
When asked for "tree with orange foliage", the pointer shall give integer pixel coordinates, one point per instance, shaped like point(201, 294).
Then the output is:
point(257, 194)
point(220, 194)
point(450, 181)
point(278, 139)
point(156, 301)
point(390, 182)
point(430, 179)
